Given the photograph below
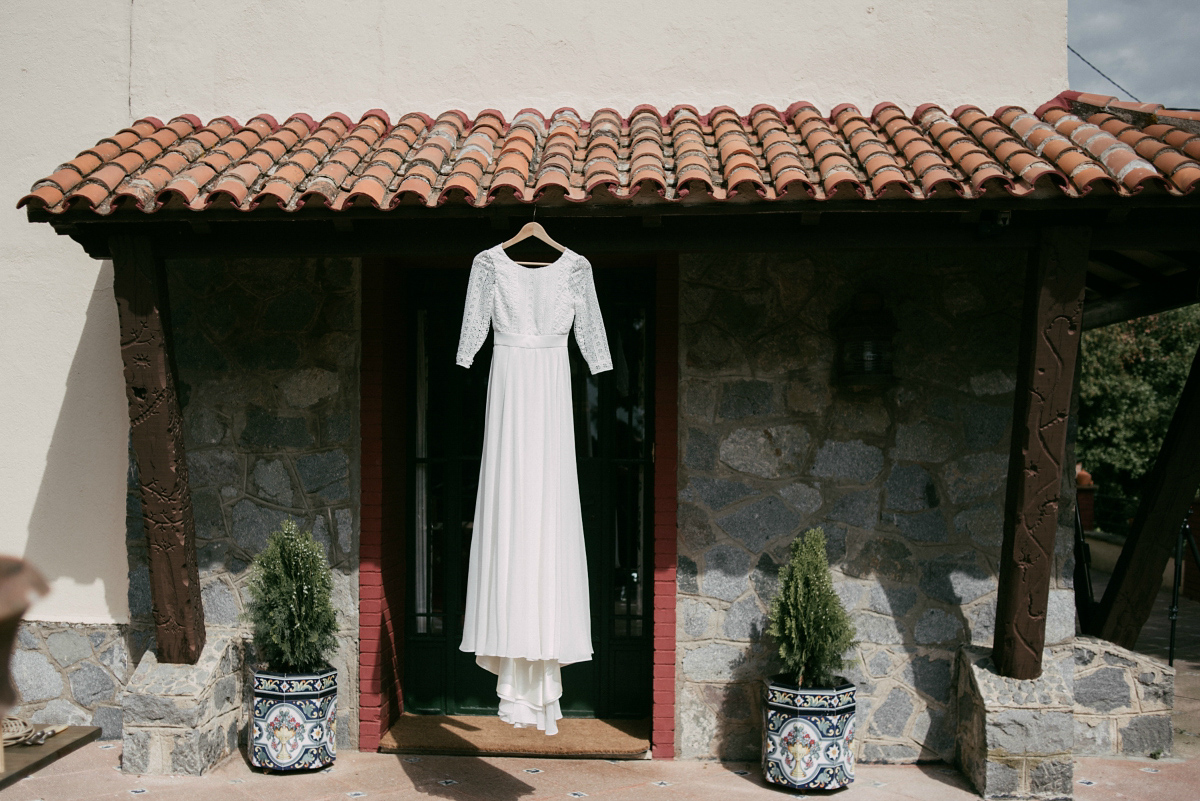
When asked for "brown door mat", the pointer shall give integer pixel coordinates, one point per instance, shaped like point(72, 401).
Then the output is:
point(471, 734)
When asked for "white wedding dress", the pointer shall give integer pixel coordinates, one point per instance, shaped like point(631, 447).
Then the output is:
point(527, 588)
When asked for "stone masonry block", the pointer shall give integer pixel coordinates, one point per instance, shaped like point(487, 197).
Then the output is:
point(1147, 735)
point(36, 678)
point(68, 647)
point(766, 452)
point(1094, 736)
point(108, 718)
point(1030, 731)
point(1015, 738)
point(1051, 778)
point(1003, 779)
point(853, 461)
point(177, 719)
point(1104, 690)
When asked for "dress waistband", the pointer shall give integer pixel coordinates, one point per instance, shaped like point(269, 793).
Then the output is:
point(532, 340)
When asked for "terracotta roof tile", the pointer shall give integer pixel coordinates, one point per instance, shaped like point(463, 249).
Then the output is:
point(1071, 146)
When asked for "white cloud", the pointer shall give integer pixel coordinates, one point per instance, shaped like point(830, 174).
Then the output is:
point(1147, 46)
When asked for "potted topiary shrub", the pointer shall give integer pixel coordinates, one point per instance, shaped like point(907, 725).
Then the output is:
point(808, 711)
point(295, 697)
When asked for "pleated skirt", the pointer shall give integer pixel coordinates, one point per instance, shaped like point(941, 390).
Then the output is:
point(527, 608)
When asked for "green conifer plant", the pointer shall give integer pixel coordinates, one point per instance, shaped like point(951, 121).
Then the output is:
point(807, 618)
point(290, 602)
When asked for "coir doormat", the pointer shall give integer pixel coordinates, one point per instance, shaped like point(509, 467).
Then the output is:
point(463, 734)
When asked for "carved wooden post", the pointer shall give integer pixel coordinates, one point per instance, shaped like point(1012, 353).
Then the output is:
point(1050, 329)
point(1171, 487)
point(156, 427)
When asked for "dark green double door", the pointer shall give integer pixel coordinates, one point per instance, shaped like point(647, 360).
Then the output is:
point(613, 440)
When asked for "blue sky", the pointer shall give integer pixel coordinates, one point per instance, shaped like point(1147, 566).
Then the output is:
point(1150, 47)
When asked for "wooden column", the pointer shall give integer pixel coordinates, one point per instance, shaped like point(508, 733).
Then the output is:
point(1050, 330)
point(156, 432)
point(1170, 489)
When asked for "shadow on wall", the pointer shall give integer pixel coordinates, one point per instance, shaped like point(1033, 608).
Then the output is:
point(77, 529)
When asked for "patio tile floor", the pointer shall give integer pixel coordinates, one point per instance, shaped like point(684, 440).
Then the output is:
point(92, 774)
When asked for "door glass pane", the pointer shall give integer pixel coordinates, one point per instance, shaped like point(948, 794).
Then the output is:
point(628, 575)
point(474, 384)
point(628, 342)
point(429, 548)
point(585, 397)
point(470, 491)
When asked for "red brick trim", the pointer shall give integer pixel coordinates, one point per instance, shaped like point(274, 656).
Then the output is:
point(381, 512)
point(666, 458)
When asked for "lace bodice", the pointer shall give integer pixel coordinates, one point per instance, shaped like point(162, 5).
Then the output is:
point(520, 300)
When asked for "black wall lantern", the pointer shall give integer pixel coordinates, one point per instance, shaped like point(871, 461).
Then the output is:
point(864, 344)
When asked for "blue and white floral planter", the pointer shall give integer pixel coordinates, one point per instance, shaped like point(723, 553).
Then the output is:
point(808, 736)
point(294, 720)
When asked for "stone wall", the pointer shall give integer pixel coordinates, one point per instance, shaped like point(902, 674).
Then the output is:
point(268, 360)
point(1123, 701)
point(908, 483)
point(72, 673)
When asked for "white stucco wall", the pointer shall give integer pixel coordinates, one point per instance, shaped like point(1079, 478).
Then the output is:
point(318, 57)
point(73, 72)
point(64, 84)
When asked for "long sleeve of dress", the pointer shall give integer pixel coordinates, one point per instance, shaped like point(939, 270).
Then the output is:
point(477, 311)
point(589, 325)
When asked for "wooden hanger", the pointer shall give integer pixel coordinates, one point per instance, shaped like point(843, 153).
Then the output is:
point(535, 230)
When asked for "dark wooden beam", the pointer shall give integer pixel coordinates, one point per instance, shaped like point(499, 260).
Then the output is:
point(1170, 488)
point(156, 432)
point(1050, 332)
point(1128, 265)
point(407, 237)
point(1188, 259)
point(1103, 286)
point(1180, 289)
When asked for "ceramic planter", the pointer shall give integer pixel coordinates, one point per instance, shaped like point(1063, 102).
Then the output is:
point(808, 735)
point(294, 720)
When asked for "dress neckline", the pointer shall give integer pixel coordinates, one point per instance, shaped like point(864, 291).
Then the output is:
point(500, 249)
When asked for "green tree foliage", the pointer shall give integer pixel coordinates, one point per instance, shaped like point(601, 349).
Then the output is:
point(807, 618)
point(1132, 375)
point(290, 607)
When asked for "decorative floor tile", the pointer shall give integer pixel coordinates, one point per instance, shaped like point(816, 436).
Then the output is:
point(356, 794)
point(1086, 782)
point(447, 782)
point(741, 773)
point(576, 794)
point(137, 791)
point(412, 759)
point(661, 784)
point(533, 770)
point(107, 746)
point(1150, 770)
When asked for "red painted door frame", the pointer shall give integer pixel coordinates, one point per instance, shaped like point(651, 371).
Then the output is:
point(381, 527)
